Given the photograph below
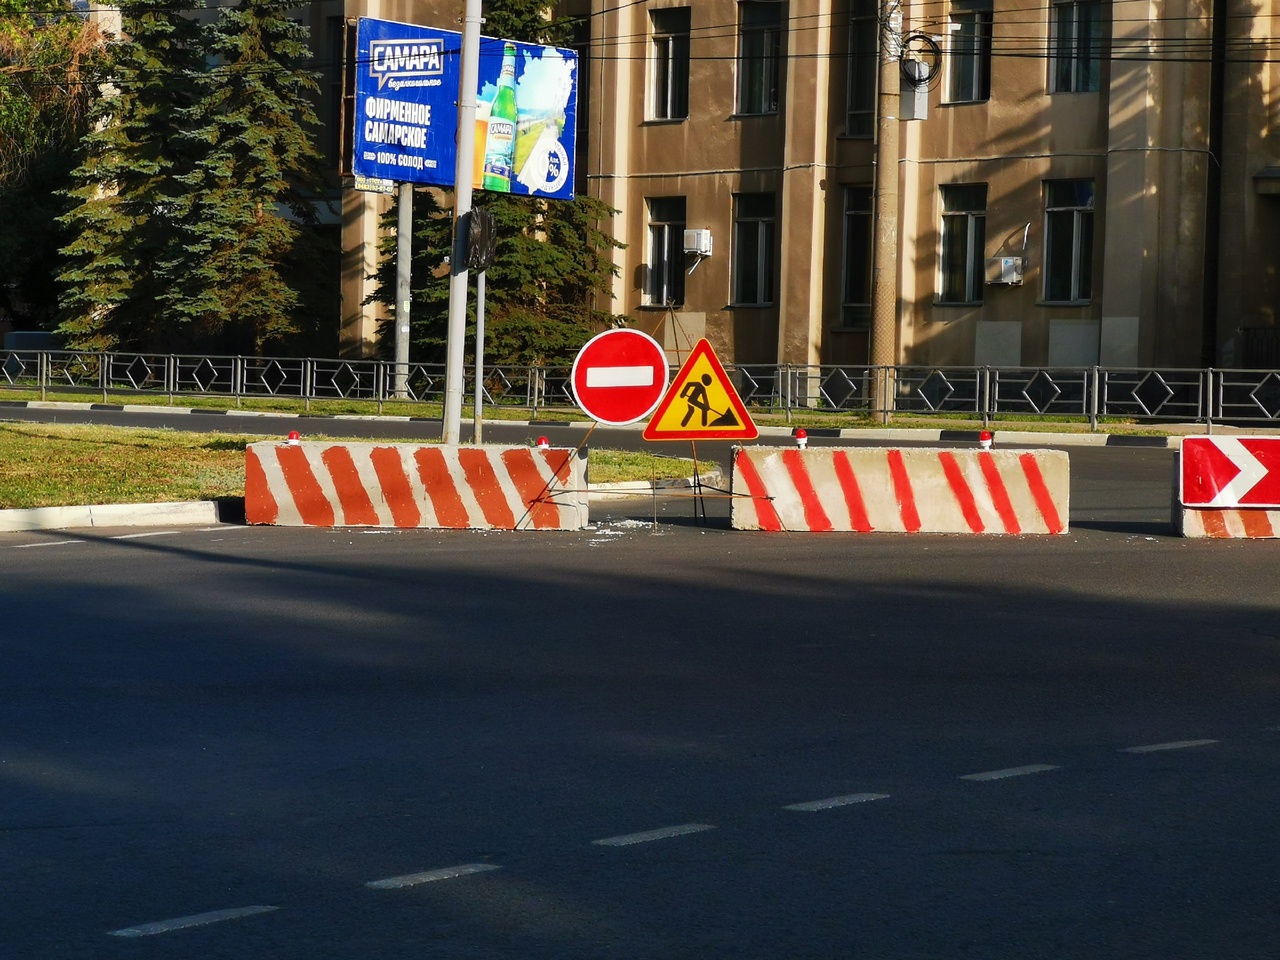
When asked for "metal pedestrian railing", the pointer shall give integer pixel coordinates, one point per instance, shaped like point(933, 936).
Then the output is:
point(981, 393)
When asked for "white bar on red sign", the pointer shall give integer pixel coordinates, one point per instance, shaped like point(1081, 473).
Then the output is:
point(620, 376)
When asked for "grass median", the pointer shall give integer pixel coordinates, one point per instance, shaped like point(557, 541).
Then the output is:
point(56, 465)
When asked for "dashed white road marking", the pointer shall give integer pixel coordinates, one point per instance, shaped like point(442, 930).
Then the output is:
point(139, 536)
point(47, 543)
point(662, 833)
point(832, 802)
point(182, 923)
point(1010, 772)
point(444, 873)
point(1174, 745)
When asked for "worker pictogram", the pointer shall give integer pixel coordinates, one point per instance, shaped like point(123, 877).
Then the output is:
point(701, 403)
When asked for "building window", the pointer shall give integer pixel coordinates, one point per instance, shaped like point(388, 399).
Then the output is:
point(666, 251)
point(856, 285)
point(669, 87)
point(864, 44)
point(759, 55)
point(969, 60)
point(1068, 241)
point(1076, 37)
point(754, 233)
point(964, 240)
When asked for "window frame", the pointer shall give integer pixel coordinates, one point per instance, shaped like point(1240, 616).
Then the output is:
point(664, 264)
point(1075, 55)
point(858, 215)
point(863, 69)
point(669, 63)
point(1080, 219)
point(759, 61)
point(973, 48)
point(972, 238)
point(755, 239)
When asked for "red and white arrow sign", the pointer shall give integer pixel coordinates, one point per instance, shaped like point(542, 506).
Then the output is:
point(1230, 472)
point(619, 376)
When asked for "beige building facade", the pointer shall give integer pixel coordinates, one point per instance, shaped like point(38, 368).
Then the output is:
point(1083, 182)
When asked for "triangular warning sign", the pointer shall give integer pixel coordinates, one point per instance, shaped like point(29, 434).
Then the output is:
point(701, 404)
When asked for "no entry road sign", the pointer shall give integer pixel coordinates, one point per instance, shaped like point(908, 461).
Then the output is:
point(619, 376)
point(1230, 472)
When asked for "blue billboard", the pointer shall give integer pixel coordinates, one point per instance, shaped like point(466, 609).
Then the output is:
point(406, 110)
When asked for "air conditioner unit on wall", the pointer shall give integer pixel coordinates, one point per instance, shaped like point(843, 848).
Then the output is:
point(698, 242)
point(1005, 270)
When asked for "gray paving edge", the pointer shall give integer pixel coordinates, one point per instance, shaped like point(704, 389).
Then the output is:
point(186, 513)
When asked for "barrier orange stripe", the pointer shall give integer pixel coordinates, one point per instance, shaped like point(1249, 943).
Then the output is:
point(357, 508)
point(449, 508)
point(960, 488)
point(484, 485)
point(853, 501)
point(815, 518)
point(259, 505)
point(1256, 524)
point(1040, 493)
point(766, 516)
point(396, 489)
point(903, 493)
point(1000, 495)
point(313, 506)
point(532, 488)
point(560, 462)
point(1214, 523)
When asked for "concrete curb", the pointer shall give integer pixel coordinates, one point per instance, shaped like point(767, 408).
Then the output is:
point(186, 513)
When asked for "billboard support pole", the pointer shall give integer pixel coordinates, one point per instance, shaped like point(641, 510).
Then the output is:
point(404, 259)
point(457, 331)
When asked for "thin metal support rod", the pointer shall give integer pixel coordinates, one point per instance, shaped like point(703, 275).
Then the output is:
point(477, 412)
point(699, 503)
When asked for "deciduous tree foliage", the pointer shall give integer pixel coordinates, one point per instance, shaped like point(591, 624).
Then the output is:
point(49, 63)
point(553, 258)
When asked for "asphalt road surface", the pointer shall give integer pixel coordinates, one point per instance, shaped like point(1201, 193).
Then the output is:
point(640, 741)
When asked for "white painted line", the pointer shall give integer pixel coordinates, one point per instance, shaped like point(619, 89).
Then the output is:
point(182, 923)
point(1011, 772)
point(619, 376)
point(1175, 745)
point(445, 873)
point(662, 833)
point(139, 536)
point(832, 802)
point(51, 543)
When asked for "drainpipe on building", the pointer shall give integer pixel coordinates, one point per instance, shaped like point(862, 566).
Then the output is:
point(884, 270)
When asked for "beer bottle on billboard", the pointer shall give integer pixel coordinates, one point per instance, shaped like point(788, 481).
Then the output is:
point(500, 144)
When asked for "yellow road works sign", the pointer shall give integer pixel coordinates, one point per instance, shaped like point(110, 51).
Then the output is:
point(701, 404)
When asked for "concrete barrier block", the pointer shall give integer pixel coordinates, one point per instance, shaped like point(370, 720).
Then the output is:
point(907, 490)
point(323, 484)
point(1220, 523)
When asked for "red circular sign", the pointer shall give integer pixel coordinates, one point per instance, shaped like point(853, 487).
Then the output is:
point(619, 376)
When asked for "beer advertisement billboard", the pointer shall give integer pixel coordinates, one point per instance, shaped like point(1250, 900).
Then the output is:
point(406, 113)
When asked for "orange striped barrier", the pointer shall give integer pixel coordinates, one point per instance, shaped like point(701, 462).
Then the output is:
point(1227, 524)
point(1232, 471)
point(318, 484)
point(900, 490)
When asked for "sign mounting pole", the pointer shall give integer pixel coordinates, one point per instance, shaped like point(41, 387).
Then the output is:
point(457, 331)
point(404, 260)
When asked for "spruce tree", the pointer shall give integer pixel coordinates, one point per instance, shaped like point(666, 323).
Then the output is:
point(128, 188)
point(251, 132)
point(553, 257)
